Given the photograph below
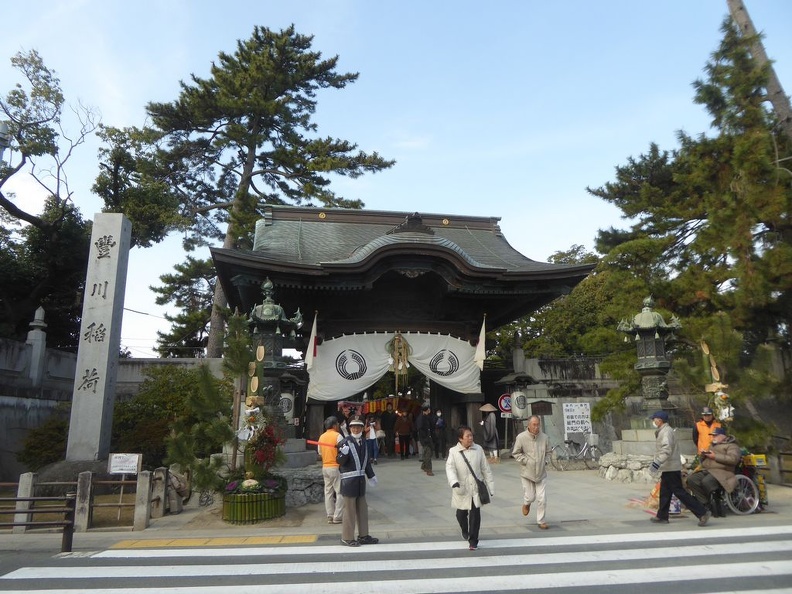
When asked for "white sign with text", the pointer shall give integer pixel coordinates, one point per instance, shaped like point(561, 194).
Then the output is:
point(124, 463)
point(577, 417)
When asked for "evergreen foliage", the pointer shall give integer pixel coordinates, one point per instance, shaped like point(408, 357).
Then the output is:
point(143, 423)
point(191, 289)
point(241, 139)
point(46, 444)
point(203, 431)
point(44, 255)
point(710, 238)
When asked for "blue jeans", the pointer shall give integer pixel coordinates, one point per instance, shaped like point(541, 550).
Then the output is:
point(373, 449)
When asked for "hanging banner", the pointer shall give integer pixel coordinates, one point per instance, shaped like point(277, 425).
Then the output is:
point(349, 365)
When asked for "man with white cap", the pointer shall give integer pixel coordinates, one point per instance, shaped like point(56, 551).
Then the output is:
point(355, 467)
point(668, 464)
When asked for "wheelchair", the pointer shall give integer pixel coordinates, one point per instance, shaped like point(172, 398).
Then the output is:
point(742, 501)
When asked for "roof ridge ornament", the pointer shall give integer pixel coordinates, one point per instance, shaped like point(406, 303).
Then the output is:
point(412, 224)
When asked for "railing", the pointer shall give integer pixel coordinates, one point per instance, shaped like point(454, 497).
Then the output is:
point(22, 515)
point(151, 496)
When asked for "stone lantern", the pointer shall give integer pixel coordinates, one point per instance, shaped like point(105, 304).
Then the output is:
point(650, 333)
point(269, 382)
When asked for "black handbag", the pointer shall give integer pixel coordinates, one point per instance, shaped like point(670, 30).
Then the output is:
point(484, 495)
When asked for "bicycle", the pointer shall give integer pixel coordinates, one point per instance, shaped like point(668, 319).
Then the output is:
point(561, 456)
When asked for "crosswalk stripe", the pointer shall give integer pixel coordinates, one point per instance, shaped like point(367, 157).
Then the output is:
point(543, 543)
point(541, 563)
point(710, 550)
point(508, 583)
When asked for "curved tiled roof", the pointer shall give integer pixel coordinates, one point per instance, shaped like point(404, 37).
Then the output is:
point(401, 239)
point(332, 237)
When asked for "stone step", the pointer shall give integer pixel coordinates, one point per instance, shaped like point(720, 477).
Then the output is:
point(300, 459)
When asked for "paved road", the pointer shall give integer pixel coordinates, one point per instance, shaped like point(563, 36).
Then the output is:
point(600, 540)
point(680, 561)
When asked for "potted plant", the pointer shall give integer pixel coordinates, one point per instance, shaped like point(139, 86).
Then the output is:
point(257, 494)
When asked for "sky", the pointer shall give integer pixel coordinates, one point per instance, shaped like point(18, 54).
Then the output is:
point(508, 109)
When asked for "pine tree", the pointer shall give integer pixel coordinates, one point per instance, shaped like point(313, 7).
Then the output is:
point(244, 138)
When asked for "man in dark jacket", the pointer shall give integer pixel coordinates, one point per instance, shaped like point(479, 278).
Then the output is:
point(425, 429)
point(388, 422)
point(355, 467)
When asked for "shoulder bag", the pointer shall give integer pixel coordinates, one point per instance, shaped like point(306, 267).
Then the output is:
point(484, 495)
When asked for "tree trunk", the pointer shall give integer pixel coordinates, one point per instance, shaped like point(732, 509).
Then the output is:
point(214, 343)
point(775, 92)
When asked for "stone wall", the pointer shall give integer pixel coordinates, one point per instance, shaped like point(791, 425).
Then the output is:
point(626, 468)
point(306, 485)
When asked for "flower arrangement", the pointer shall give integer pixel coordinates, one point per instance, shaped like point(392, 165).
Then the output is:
point(264, 448)
point(272, 484)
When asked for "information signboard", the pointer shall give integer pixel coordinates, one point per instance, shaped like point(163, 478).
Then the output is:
point(577, 417)
point(124, 463)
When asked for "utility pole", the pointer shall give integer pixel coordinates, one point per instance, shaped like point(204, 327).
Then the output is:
point(775, 92)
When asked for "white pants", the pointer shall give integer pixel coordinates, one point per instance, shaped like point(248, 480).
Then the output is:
point(536, 492)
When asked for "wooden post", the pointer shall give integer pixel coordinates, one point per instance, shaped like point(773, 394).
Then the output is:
point(68, 529)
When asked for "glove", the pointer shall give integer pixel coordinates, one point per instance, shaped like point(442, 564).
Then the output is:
point(655, 467)
point(373, 481)
point(455, 486)
point(344, 449)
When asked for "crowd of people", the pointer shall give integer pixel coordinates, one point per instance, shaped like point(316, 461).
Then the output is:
point(402, 433)
point(350, 446)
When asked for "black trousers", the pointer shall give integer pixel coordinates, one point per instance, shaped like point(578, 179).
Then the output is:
point(671, 484)
point(470, 523)
point(404, 445)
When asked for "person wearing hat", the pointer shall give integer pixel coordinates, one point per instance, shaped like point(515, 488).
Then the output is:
point(424, 426)
point(703, 428)
point(717, 468)
point(355, 467)
point(667, 462)
point(490, 432)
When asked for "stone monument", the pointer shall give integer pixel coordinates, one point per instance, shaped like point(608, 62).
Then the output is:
point(100, 338)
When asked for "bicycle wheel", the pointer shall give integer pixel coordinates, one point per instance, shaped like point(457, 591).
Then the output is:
point(559, 457)
point(745, 498)
point(592, 458)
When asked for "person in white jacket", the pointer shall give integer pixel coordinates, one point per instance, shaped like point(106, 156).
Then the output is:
point(531, 448)
point(464, 490)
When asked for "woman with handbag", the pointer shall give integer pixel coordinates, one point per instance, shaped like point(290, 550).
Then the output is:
point(468, 473)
